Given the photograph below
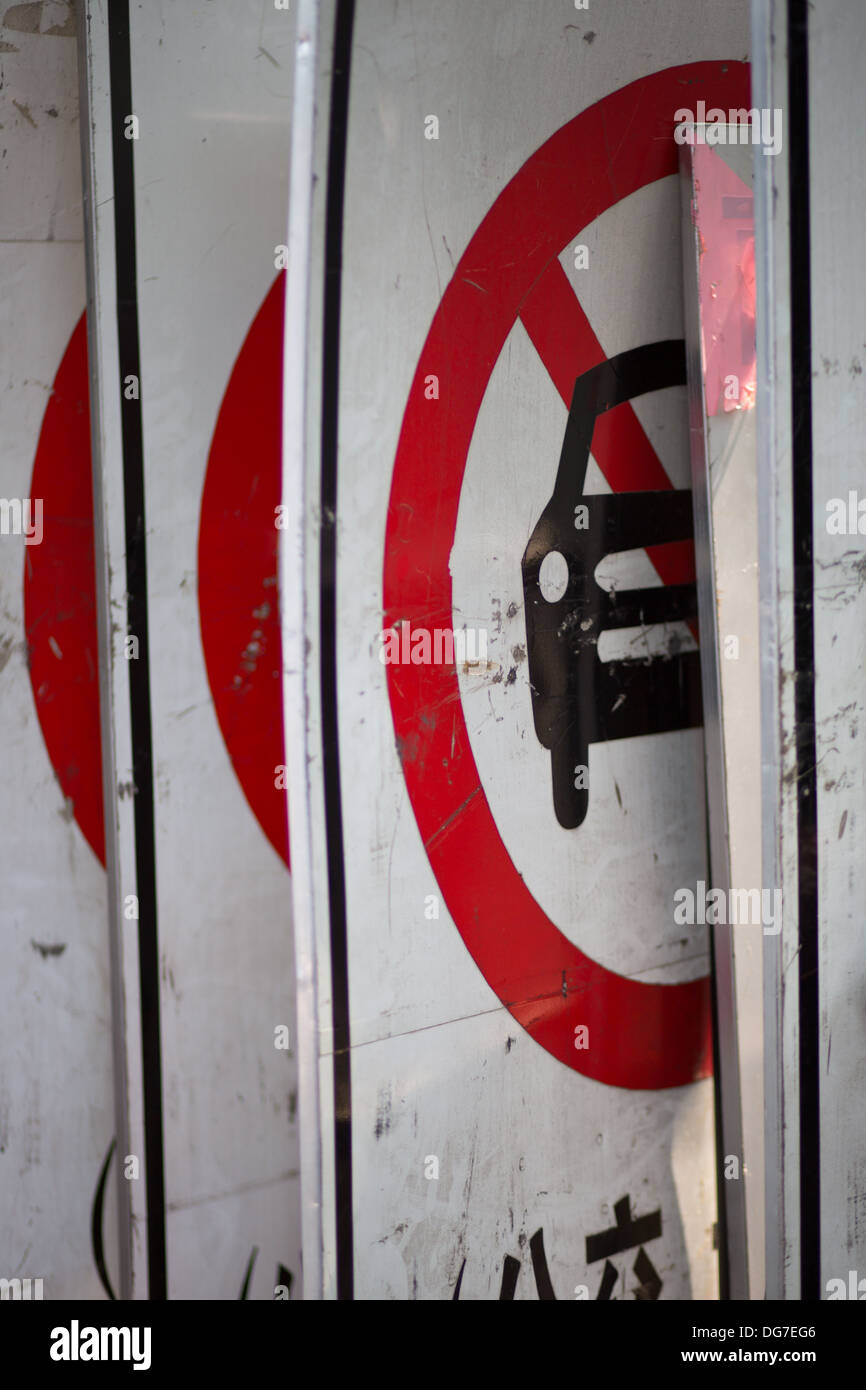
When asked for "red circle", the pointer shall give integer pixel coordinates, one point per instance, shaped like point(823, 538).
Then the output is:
point(641, 1036)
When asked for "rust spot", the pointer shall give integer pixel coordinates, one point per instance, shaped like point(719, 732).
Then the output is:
point(46, 950)
point(27, 19)
point(25, 112)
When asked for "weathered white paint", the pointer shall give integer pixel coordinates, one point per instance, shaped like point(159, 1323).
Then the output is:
point(298, 604)
point(724, 485)
point(212, 90)
point(56, 1104)
point(836, 35)
point(838, 207)
point(778, 753)
point(439, 1069)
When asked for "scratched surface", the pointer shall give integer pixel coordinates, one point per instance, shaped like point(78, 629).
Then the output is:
point(839, 402)
point(56, 1105)
point(211, 88)
point(718, 241)
point(836, 606)
point(832, 769)
point(535, 1161)
point(212, 84)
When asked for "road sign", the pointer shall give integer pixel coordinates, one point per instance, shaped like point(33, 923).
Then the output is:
point(237, 602)
point(811, 417)
point(719, 285)
point(452, 1142)
point(56, 1092)
point(60, 599)
point(496, 281)
point(188, 218)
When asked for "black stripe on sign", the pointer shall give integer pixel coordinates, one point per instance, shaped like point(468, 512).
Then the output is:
point(136, 615)
point(804, 647)
point(328, 642)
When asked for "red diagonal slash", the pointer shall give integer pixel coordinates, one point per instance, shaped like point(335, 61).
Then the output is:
point(563, 338)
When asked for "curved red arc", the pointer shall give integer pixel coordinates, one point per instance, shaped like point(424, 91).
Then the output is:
point(237, 566)
point(60, 596)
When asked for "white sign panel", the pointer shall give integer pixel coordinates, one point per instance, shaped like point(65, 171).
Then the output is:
point(811, 207)
point(190, 111)
point(487, 461)
point(56, 1095)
